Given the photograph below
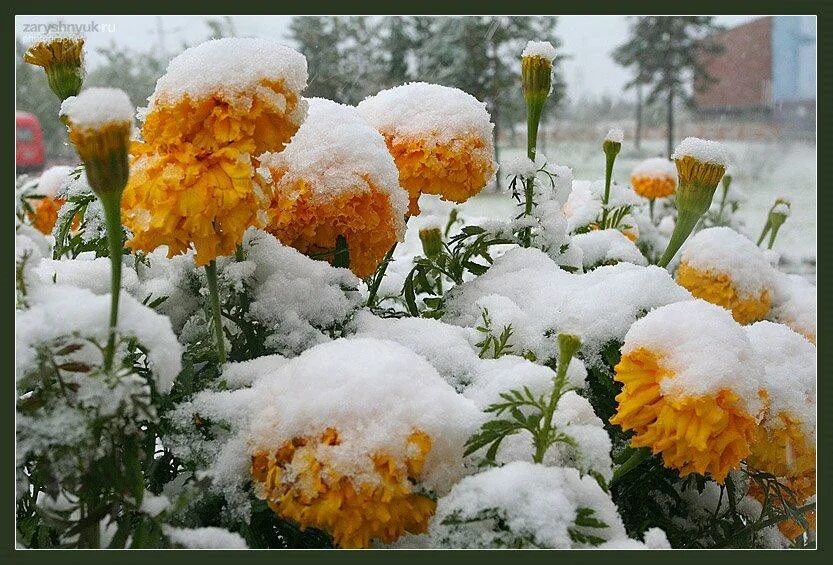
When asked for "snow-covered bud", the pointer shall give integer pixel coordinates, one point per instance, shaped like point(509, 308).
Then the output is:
point(63, 60)
point(536, 71)
point(99, 121)
point(612, 143)
point(700, 165)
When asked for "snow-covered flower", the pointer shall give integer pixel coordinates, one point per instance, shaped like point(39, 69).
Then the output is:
point(723, 267)
point(691, 388)
point(63, 60)
point(654, 178)
point(440, 138)
point(336, 178)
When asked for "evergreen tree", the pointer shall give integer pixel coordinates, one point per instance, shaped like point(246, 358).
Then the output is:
point(666, 55)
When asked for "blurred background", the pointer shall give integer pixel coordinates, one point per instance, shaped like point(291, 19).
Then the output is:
point(749, 81)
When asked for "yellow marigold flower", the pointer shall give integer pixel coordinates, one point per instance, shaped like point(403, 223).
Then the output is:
point(336, 178)
point(298, 483)
point(63, 60)
point(45, 213)
point(677, 400)
point(178, 199)
point(782, 448)
point(239, 91)
point(440, 139)
point(654, 178)
point(723, 267)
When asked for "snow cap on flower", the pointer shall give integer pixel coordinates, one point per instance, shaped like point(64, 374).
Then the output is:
point(335, 178)
point(615, 135)
point(725, 268)
point(349, 447)
point(654, 178)
point(795, 304)
point(691, 388)
point(543, 49)
point(440, 138)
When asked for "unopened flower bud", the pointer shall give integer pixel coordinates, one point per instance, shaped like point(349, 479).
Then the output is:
point(432, 241)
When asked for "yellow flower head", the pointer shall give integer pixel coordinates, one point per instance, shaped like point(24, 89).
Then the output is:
point(178, 199)
point(63, 60)
point(336, 178)
point(654, 178)
point(237, 91)
point(723, 267)
point(690, 388)
point(43, 199)
point(45, 213)
point(99, 121)
point(300, 484)
point(440, 139)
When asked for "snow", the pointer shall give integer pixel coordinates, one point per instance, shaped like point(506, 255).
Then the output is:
point(204, 538)
point(526, 288)
point(782, 208)
point(160, 276)
point(584, 203)
point(654, 538)
point(448, 348)
point(616, 135)
point(85, 272)
point(375, 393)
point(96, 107)
point(153, 505)
point(704, 348)
point(722, 250)
point(245, 373)
point(655, 167)
point(537, 505)
point(520, 166)
point(336, 152)
point(229, 68)
point(605, 246)
point(419, 109)
point(795, 304)
point(60, 310)
point(789, 363)
point(53, 179)
point(702, 150)
point(542, 49)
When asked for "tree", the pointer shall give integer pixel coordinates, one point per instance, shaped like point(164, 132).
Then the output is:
point(666, 54)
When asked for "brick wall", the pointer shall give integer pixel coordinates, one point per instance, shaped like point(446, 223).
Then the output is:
point(743, 71)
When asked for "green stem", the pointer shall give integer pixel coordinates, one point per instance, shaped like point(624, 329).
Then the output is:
point(609, 160)
point(685, 225)
point(568, 346)
point(379, 275)
point(216, 314)
point(773, 234)
point(638, 456)
point(651, 209)
point(766, 229)
point(722, 204)
point(239, 254)
point(533, 119)
point(112, 219)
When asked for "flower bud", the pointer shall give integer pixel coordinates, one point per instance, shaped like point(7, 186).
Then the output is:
point(63, 60)
point(432, 241)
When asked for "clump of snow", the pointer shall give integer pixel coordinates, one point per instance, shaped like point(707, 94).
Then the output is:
point(168, 278)
point(229, 67)
point(584, 204)
point(704, 348)
point(722, 250)
point(520, 166)
point(204, 538)
point(298, 297)
point(448, 348)
point(789, 363)
point(607, 246)
point(59, 311)
point(85, 272)
point(95, 107)
point(616, 135)
point(523, 505)
point(375, 393)
point(782, 208)
point(655, 167)
point(795, 304)
point(419, 109)
point(53, 179)
point(245, 373)
point(334, 152)
point(542, 49)
point(153, 505)
point(526, 288)
point(702, 150)
point(654, 538)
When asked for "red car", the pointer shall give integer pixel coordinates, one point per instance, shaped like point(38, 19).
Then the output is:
point(29, 143)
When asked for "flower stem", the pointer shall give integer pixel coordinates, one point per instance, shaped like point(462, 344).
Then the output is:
point(637, 457)
point(686, 221)
point(651, 209)
point(568, 346)
point(379, 275)
point(533, 119)
point(767, 227)
point(609, 160)
point(112, 219)
point(216, 314)
point(773, 234)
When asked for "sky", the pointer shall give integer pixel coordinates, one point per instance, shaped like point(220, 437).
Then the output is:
point(587, 40)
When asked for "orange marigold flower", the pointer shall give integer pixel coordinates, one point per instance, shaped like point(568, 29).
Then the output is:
point(697, 413)
point(180, 200)
point(723, 267)
point(334, 179)
point(239, 91)
point(299, 483)
point(654, 178)
point(440, 138)
point(45, 213)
